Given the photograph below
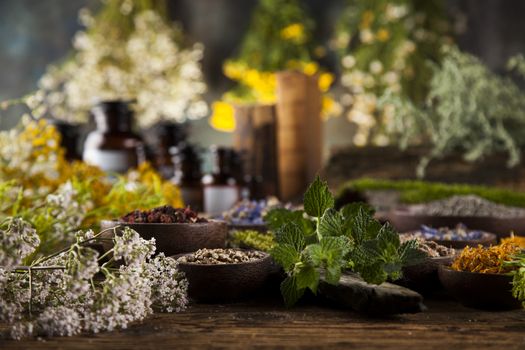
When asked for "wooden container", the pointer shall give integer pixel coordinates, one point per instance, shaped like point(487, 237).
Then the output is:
point(299, 132)
point(255, 139)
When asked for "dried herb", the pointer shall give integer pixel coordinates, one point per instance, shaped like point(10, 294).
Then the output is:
point(163, 215)
point(486, 260)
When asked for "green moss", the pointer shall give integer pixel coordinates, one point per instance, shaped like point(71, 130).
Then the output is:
point(413, 191)
point(253, 239)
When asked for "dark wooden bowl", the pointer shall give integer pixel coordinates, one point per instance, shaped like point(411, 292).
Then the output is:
point(486, 240)
point(172, 239)
point(423, 277)
point(226, 282)
point(487, 291)
point(404, 219)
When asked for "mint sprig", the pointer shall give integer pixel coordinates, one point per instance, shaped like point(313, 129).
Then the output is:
point(322, 241)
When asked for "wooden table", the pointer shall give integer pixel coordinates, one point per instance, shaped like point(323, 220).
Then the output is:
point(266, 324)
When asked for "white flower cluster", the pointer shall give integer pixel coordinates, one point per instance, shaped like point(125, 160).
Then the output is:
point(73, 291)
point(151, 67)
point(64, 206)
point(17, 241)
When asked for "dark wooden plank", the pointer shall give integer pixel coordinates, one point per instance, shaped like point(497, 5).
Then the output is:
point(265, 324)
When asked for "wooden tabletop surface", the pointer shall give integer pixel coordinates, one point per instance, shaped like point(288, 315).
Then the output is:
point(266, 324)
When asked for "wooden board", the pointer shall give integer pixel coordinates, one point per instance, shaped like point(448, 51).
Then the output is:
point(266, 324)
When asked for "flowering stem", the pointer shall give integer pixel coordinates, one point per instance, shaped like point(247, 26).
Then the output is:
point(105, 254)
point(30, 291)
point(40, 261)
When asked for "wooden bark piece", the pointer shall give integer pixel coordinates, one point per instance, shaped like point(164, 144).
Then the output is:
point(384, 299)
point(298, 132)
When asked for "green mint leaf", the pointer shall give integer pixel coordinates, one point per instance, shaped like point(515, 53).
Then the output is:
point(372, 273)
point(318, 198)
point(285, 255)
point(350, 210)
point(290, 292)
point(410, 254)
point(364, 227)
point(332, 223)
point(291, 234)
point(315, 254)
point(333, 274)
point(388, 237)
point(308, 277)
point(278, 217)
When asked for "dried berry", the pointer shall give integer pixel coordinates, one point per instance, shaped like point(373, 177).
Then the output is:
point(163, 215)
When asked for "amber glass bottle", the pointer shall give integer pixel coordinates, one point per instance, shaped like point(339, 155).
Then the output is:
point(188, 175)
point(112, 145)
point(221, 189)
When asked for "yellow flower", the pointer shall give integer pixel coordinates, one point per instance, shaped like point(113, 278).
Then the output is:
point(366, 20)
point(310, 68)
point(325, 81)
point(233, 70)
point(294, 32)
point(383, 35)
point(222, 118)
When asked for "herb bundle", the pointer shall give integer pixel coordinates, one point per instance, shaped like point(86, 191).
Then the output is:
point(321, 242)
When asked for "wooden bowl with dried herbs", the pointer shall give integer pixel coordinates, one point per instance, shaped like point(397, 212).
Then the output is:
point(216, 275)
point(176, 230)
point(488, 278)
point(423, 276)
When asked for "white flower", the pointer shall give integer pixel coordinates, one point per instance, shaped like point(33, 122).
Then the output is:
point(376, 67)
point(395, 12)
point(348, 61)
point(366, 36)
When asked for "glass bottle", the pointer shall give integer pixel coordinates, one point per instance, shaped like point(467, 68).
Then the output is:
point(221, 189)
point(188, 175)
point(113, 146)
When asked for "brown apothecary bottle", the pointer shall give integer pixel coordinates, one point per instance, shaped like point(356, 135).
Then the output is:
point(113, 146)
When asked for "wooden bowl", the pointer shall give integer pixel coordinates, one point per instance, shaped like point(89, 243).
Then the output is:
point(172, 239)
point(487, 291)
point(405, 219)
point(423, 277)
point(226, 282)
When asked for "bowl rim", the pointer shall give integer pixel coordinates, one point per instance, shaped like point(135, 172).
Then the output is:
point(122, 223)
point(404, 211)
point(451, 270)
point(266, 257)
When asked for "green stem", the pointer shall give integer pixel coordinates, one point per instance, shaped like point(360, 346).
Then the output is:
point(44, 259)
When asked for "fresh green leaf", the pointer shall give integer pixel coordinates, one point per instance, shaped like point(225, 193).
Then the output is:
point(308, 277)
point(315, 254)
point(373, 273)
point(333, 274)
point(318, 198)
point(350, 210)
point(410, 254)
point(277, 218)
point(331, 223)
point(291, 234)
point(285, 255)
point(290, 291)
point(364, 226)
point(388, 236)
